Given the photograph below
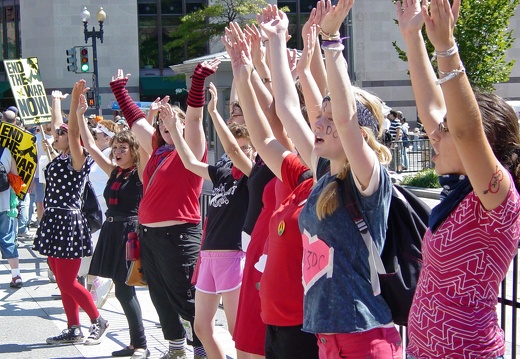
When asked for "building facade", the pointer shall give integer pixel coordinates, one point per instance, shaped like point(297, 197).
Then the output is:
point(135, 33)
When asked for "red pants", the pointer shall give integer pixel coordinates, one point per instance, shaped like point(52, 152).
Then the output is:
point(73, 294)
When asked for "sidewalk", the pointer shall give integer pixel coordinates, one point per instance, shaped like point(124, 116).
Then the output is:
point(33, 313)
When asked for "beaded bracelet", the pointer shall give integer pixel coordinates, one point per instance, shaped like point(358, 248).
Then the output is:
point(446, 76)
point(447, 53)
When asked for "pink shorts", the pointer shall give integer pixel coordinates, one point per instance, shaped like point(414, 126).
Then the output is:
point(220, 271)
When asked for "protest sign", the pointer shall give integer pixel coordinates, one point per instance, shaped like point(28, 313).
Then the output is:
point(28, 90)
point(22, 146)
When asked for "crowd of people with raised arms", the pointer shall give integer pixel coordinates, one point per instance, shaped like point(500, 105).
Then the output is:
point(299, 135)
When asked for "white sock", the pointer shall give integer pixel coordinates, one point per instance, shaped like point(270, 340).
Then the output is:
point(15, 272)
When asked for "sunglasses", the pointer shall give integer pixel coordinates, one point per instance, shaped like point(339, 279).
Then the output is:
point(443, 127)
point(60, 131)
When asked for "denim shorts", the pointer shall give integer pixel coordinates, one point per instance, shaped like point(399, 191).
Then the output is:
point(220, 271)
point(7, 237)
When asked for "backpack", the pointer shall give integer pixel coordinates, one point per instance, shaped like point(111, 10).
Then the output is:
point(401, 258)
point(91, 208)
point(4, 179)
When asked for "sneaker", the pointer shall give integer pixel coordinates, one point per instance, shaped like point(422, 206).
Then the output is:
point(175, 354)
point(51, 276)
point(67, 336)
point(100, 290)
point(98, 330)
point(16, 282)
point(140, 354)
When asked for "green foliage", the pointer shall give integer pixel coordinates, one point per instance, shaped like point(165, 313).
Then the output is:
point(483, 36)
point(426, 179)
point(199, 27)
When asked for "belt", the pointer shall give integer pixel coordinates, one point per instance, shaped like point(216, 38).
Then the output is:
point(121, 218)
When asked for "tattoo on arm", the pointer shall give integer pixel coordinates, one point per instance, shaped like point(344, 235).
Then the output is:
point(494, 183)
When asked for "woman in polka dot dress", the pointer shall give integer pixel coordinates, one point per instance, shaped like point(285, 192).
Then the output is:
point(63, 234)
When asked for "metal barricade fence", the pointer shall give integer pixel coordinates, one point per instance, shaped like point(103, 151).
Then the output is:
point(414, 158)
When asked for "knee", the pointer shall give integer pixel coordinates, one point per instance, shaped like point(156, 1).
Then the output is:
point(202, 329)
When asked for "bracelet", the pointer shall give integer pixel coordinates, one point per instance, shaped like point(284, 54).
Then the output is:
point(339, 48)
point(326, 36)
point(450, 52)
point(266, 80)
point(330, 42)
point(446, 76)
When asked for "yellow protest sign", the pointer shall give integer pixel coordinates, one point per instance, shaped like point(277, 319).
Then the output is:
point(23, 148)
point(28, 91)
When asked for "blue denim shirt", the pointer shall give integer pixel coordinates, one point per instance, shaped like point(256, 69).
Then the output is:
point(341, 300)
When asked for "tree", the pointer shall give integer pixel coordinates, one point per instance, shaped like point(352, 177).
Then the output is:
point(483, 36)
point(201, 26)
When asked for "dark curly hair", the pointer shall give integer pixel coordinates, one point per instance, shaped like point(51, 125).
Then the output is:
point(128, 137)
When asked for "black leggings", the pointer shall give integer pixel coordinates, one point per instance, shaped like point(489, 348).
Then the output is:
point(128, 299)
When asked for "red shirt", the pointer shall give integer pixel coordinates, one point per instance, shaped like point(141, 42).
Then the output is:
point(173, 194)
point(281, 290)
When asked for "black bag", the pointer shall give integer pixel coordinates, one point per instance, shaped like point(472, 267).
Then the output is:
point(4, 179)
point(401, 256)
point(91, 208)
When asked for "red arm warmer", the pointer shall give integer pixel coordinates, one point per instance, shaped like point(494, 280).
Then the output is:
point(196, 96)
point(130, 110)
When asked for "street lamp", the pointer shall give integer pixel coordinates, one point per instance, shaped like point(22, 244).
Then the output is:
point(93, 34)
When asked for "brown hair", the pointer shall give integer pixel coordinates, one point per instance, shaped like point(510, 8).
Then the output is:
point(502, 132)
point(128, 137)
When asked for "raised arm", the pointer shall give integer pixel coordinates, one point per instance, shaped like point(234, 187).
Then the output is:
point(230, 144)
point(88, 141)
point(361, 157)
point(428, 96)
point(271, 151)
point(56, 116)
point(488, 177)
point(194, 132)
point(154, 108)
point(135, 118)
point(311, 91)
point(176, 128)
point(76, 150)
point(274, 24)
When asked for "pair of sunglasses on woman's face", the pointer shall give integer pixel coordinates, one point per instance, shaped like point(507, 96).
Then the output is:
point(60, 131)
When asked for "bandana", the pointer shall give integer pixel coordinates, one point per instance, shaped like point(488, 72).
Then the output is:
point(454, 189)
point(366, 118)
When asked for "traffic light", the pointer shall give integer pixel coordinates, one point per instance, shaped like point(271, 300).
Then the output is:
point(84, 63)
point(72, 62)
point(91, 99)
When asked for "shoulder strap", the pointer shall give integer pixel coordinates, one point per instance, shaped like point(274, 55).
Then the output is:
point(374, 260)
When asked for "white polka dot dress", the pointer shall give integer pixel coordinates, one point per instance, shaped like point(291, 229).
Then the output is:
point(63, 231)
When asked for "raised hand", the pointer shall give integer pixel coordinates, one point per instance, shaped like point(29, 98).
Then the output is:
point(273, 21)
point(409, 16)
point(211, 64)
point(120, 75)
point(56, 94)
point(440, 21)
point(335, 15)
point(82, 106)
point(309, 43)
point(80, 88)
point(212, 104)
point(255, 38)
point(240, 55)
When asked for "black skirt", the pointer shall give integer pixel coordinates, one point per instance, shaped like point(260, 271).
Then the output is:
point(109, 258)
